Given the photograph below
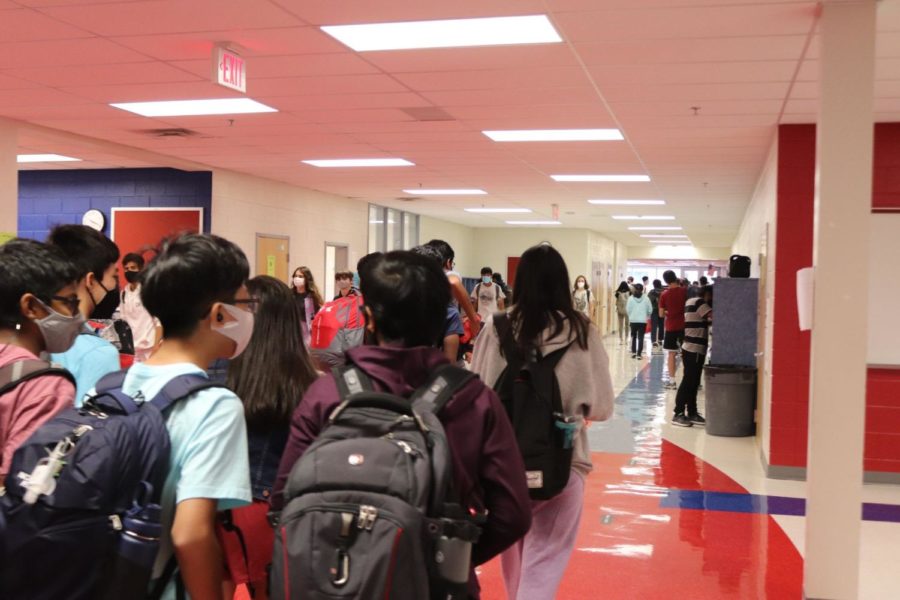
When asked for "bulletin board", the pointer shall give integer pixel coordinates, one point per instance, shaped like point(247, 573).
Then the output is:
point(884, 291)
point(142, 229)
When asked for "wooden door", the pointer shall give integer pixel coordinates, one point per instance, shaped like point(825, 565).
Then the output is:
point(273, 256)
point(512, 263)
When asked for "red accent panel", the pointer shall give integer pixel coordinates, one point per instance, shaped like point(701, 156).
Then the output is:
point(142, 230)
point(883, 420)
point(886, 167)
point(392, 565)
point(512, 263)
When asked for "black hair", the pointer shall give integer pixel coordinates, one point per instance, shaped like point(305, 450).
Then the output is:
point(408, 295)
point(429, 252)
point(272, 374)
point(311, 288)
point(623, 288)
point(670, 277)
point(88, 249)
point(497, 277)
point(638, 290)
point(487, 271)
point(657, 284)
point(445, 250)
point(30, 267)
point(645, 278)
point(704, 280)
point(543, 299)
point(361, 263)
point(135, 258)
point(707, 290)
point(191, 272)
point(343, 275)
point(575, 283)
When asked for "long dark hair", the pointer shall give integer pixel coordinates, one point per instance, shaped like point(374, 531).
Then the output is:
point(275, 370)
point(311, 286)
point(623, 288)
point(543, 299)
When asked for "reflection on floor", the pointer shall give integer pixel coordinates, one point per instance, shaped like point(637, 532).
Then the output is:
point(636, 542)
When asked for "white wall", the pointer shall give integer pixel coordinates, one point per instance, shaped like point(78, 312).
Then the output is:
point(756, 239)
point(460, 237)
point(676, 252)
point(244, 205)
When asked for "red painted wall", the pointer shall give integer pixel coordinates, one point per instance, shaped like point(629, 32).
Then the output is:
point(790, 346)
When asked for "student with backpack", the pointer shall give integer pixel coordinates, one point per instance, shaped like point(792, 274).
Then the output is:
point(308, 298)
point(487, 296)
point(639, 310)
point(38, 313)
point(582, 297)
point(96, 257)
point(657, 333)
point(360, 470)
point(623, 293)
point(552, 373)
point(270, 377)
point(144, 329)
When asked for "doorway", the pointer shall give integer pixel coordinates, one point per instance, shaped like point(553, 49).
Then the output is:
point(337, 257)
point(273, 255)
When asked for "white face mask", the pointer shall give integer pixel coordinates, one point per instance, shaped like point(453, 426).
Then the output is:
point(299, 281)
point(240, 330)
point(58, 330)
point(580, 285)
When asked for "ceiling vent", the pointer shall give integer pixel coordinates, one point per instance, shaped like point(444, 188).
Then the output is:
point(408, 198)
point(171, 132)
point(428, 113)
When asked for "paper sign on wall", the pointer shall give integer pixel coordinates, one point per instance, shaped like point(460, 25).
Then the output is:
point(5, 237)
point(270, 265)
point(805, 287)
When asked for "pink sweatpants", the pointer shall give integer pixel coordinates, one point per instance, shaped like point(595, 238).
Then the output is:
point(533, 567)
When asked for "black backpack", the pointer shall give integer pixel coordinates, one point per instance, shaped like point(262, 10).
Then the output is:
point(529, 391)
point(739, 266)
point(371, 510)
point(80, 519)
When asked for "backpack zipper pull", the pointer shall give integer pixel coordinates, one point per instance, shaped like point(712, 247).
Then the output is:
point(367, 516)
point(116, 522)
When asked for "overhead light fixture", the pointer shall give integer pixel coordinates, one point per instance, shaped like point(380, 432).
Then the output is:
point(654, 228)
point(555, 135)
point(533, 223)
point(446, 192)
point(359, 162)
point(602, 178)
point(671, 242)
point(192, 108)
point(627, 202)
point(643, 218)
point(498, 210)
point(662, 235)
point(449, 33)
point(38, 158)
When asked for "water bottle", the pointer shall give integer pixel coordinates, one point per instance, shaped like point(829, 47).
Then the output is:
point(136, 549)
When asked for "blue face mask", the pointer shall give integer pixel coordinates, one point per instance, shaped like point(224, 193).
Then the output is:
point(486, 279)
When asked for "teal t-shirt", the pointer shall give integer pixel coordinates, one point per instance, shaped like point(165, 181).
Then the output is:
point(90, 358)
point(208, 434)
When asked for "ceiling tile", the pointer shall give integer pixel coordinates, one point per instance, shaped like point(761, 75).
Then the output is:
point(55, 53)
point(76, 75)
point(461, 59)
point(26, 25)
point(311, 65)
point(344, 84)
point(494, 79)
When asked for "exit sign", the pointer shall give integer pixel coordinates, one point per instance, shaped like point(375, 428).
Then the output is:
point(230, 70)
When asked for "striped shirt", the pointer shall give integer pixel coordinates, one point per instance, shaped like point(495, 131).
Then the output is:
point(697, 314)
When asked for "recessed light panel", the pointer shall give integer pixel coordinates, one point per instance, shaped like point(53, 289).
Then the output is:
point(602, 178)
point(627, 202)
point(446, 192)
point(662, 235)
point(654, 228)
point(191, 108)
point(37, 158)
point(555, 135)
point(359, 162)
point(670, 242)
point(450, 33)
point(533, 223)
point(498, 210)
point(643, 218)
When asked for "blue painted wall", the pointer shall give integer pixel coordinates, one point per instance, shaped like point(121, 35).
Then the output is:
point(48, 198)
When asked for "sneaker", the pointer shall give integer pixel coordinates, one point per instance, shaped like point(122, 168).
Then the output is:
point(640, 357)
point(681, 421)
point(670, 385)
point(697, 420)
point(634, 356)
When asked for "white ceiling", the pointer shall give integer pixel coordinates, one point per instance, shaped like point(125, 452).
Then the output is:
point(635, 64)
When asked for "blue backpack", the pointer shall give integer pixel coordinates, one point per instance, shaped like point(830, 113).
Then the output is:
point(80, 518)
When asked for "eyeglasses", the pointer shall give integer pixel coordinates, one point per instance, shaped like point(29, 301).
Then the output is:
point(70, 302)
point(249, 304)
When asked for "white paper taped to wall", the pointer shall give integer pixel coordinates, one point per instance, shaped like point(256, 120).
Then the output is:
point(805, 288)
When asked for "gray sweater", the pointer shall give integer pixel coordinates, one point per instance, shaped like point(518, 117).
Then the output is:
point(585, 383)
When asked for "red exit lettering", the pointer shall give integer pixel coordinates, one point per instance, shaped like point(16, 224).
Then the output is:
point(232, 70)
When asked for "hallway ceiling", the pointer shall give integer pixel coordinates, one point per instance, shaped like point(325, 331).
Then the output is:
point(639, 65)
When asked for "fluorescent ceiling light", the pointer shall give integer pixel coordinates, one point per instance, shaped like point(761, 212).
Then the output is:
point(497, 210)
point(450, 33)
point(662, 235)
point(533, 223)
point(654, 228)
point(642, 218)
point(359, 162)
point(36, 158)
point(190, 108)
point(446, 192)
point(555, 135)
point(670, 242)
point(627, 202)
point(603, 178)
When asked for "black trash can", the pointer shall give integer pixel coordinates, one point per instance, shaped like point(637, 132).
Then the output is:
point(730, 400)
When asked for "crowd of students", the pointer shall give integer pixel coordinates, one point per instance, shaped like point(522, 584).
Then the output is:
point(233, 447)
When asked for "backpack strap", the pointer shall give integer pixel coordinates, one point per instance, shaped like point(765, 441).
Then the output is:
point(24, 370)
point(350, 380)
point(181, 387)
point(508, 347)
point(440, 387)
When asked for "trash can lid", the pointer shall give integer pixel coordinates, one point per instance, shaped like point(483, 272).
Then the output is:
point(730, 368)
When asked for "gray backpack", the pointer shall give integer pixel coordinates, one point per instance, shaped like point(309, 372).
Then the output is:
point(370, 507)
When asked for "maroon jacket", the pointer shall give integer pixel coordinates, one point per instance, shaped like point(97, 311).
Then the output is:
point(487, 467)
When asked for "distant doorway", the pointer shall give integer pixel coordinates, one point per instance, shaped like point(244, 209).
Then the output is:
point(512, 263)
point(273, 255)
point(337, 258)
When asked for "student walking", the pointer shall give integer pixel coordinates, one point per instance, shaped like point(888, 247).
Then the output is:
point(543, 319)
point(487, 297)
point(144, 329)
point(582, 297)
point(623, 293)
point(308, 299)
point(639, 310)
point(697, 316)
point(657, 323)
point(671, 308)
